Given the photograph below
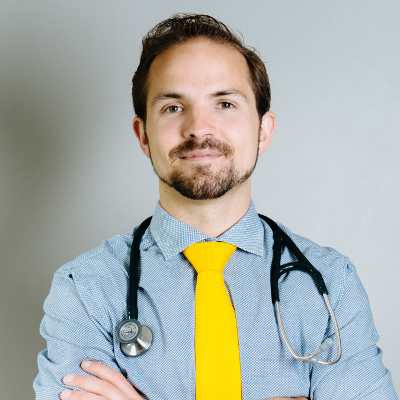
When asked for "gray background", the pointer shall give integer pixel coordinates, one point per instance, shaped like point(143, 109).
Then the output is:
point(72, 174)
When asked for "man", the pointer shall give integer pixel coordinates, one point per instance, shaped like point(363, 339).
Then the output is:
point(202, 104)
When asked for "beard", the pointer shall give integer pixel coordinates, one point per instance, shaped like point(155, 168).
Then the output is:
point(200, 182)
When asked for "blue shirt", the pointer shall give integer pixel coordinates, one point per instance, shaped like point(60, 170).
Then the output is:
point(88, 300)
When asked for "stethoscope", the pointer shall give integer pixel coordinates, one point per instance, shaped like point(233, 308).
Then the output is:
point(136, 338)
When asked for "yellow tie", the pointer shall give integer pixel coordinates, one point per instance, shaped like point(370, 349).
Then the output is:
point(216, 338)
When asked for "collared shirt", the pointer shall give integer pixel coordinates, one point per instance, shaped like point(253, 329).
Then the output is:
point(88, 300)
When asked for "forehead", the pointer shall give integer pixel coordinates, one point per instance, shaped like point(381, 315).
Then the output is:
point(199, 66)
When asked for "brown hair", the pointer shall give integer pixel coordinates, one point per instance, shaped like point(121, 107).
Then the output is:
point(177, 30)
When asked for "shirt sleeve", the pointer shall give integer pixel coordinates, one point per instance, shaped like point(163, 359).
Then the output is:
point(75, 328)
point(360, 374)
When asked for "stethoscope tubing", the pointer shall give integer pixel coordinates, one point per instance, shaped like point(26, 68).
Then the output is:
point(303, 264)
point(137, 347)
point(134, 271)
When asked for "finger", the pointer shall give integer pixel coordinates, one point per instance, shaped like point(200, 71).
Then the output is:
point(78, 395)
point(112, 376)
point(93, 385)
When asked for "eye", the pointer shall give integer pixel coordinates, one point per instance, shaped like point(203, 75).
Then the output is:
point(173, 109)
point(225, 105)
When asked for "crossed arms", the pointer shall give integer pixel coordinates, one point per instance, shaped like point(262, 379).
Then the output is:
point(78, 327)
point(106, 384)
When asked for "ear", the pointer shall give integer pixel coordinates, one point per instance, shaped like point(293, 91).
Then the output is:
point(267, 128)
point(139, 129)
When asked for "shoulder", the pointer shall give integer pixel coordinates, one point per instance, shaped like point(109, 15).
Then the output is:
point(102, 269)
point(321, 254)
point(94, 279)
point(112, 256)
point(100, 273)
point(336, 268)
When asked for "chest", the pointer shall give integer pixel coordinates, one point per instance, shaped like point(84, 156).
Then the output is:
point(167, 305)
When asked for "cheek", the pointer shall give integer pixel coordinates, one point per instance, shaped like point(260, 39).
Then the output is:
point(158, 153)
point(166, 133)
point(160, 146)
point(243, 128)
point(247, 144)
point(249, 154)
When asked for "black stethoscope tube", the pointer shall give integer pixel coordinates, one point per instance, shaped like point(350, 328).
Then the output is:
point(134, 273)
point(301, 265)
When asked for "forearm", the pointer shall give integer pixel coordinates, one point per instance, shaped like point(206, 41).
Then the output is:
point(109, 384)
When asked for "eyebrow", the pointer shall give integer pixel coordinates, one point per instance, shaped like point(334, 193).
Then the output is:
point(165, 96)
point(230, 92)
point(179, 96)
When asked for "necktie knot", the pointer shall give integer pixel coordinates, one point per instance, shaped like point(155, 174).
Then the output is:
point(209, 255)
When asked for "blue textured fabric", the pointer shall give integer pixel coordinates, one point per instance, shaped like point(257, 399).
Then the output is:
point(88, 300)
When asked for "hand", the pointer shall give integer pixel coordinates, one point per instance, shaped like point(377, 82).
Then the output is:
point(109, 384)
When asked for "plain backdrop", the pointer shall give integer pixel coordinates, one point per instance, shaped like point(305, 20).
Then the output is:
point(72, 173)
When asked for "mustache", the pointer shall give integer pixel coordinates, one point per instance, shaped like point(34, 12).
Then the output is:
point(193, 144)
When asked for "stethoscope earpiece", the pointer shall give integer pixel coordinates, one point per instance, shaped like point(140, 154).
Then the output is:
point(134, 337)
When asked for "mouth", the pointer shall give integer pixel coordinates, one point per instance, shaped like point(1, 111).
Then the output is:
point(208, 150)
point(201, 156)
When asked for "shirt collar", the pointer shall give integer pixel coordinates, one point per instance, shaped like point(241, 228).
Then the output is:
point(173, 236)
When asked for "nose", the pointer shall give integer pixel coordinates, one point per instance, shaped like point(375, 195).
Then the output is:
point(198, 123)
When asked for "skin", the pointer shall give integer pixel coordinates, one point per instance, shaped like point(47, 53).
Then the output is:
point(199, 71)
point(198, 90)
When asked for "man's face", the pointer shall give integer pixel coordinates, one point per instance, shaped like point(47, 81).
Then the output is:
point(202, 124)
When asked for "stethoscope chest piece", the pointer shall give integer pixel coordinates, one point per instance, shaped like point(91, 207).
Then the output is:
point(134, 337)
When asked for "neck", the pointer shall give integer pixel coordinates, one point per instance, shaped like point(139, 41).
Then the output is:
point(211, 217)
